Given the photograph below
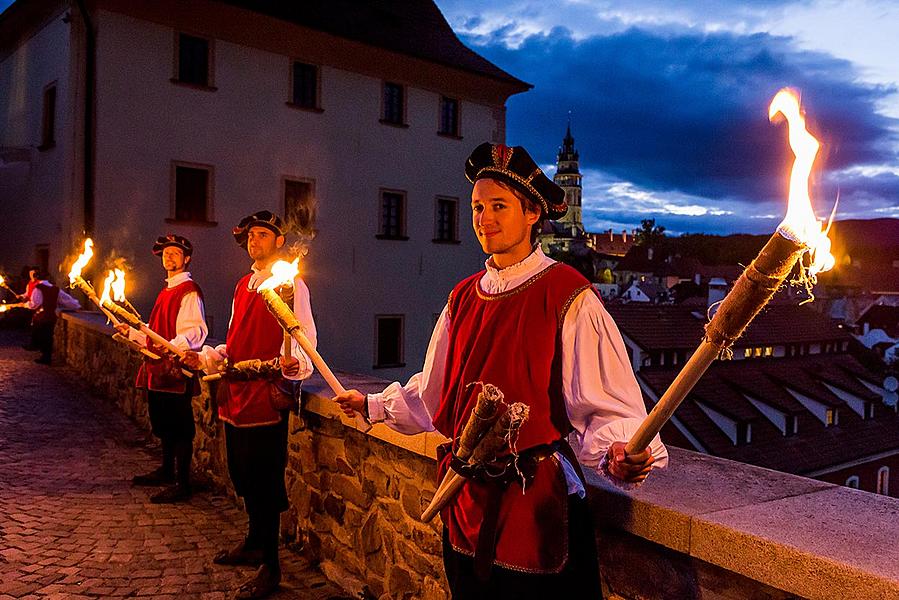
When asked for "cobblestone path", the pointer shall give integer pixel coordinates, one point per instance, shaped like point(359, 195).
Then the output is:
point(71, 526)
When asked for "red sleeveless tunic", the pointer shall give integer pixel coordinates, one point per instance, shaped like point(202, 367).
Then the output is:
point(254, 333)
point(512, 340)
point(46, 313)
point(165, 375)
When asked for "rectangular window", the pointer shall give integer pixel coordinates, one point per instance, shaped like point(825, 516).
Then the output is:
point(193, 60)
point(192, 193)
point(883, 481)
point(446, 219)
point(305, 85)
point(48, 120)
point(393, 215)
point(449, 117)
point(389, 341)
point(831, 417)
point(300, 205)
point(394, 104)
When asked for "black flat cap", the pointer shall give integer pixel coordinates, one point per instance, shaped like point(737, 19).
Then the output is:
point(178, 241)
point(514, 166)
point(263, 218)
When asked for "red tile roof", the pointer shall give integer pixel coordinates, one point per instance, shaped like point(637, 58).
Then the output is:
point(814, 447)
point(413, 27)
point(679, 327)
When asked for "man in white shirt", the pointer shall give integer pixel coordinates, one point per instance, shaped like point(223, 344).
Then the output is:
point(538, 331)
point(179, 317)
point(255, 411)
point(45, 300)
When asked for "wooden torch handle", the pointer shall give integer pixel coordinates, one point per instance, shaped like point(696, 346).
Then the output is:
point(691, 373)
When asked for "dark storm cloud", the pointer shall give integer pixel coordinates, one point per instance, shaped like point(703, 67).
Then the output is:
point(687, 112)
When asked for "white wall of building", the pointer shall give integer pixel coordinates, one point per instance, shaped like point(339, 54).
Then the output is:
point(36, 199)
point(253, 140)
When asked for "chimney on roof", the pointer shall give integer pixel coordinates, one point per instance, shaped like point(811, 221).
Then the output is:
point(717, 290)
point(624, 235)
point(611, 235)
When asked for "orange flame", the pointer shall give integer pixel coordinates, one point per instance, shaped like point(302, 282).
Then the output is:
point(82, 260)
point(107, 285)
point(283, 273)
point(801, 225)
point(118, 285)
point(2, 281)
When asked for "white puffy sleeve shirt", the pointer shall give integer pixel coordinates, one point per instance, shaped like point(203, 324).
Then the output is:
point(212, 359)
point(190, 324)
point(602, 397)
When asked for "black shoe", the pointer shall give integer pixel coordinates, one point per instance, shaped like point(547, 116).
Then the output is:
point(239, 555)
point(262, 585)
point(171, 495)
point(42, 361)
point(158, 477)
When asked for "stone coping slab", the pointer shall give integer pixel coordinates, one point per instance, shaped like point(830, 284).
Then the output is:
point(806, 537)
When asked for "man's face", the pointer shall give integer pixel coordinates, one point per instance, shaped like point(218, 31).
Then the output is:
point(263, 243)
point(32, 274)
point(499, 221)
point(173, 259)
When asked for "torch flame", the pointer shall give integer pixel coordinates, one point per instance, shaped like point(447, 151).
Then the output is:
point(283, 273)
point(801, 225)
point(118, 285)
point(107, 285)
point(82, 261)
point(2, 281)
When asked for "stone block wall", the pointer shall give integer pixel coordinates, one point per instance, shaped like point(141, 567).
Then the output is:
point(702, 528)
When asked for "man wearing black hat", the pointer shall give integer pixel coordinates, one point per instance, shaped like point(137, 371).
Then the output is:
point(179, 317)
point(255, 411)
point(537, 330)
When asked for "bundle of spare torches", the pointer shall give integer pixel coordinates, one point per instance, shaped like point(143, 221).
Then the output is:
point(488, 434)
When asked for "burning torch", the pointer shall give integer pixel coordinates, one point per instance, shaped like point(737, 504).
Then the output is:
point(800, 233)
point(283, 274)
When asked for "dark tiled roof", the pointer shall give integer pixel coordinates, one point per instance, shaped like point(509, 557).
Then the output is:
point(670, 327)
point(815, 446)
point(881, 316)
point(413, 27)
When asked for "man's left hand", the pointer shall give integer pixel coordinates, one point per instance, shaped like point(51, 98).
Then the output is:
point(289, 366)
point(632, 468)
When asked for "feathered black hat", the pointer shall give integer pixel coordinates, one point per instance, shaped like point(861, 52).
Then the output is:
point(178, 241)
point(513, 165)
point(263, 218)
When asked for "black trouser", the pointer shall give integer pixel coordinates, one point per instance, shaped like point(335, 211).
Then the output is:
point(42, 338)
point(578, 579)
point(172, 421)
point(257, 458)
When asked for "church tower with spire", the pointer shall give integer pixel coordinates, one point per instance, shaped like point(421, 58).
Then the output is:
point(568, 177)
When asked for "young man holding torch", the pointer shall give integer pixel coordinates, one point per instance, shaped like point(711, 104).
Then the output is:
point(254, 411)
point(179, 317)
point(44, 300)
point(537, 330)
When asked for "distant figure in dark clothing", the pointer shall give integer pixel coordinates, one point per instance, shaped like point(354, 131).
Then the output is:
point(45, 300)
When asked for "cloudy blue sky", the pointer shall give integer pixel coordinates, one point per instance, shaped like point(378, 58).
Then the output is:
point(669, 100)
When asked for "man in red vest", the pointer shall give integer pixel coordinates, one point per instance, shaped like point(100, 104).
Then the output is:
point(179, 317)
point(255, 411)
point(45, 300)
point(537, 330)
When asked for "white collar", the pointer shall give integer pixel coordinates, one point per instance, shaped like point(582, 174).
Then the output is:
point(499, 280)
point(178, 279)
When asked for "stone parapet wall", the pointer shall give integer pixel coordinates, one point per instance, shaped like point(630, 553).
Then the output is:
point(702, 528)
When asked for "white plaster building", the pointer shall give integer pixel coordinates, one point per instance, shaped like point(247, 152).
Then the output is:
point(199, 113)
